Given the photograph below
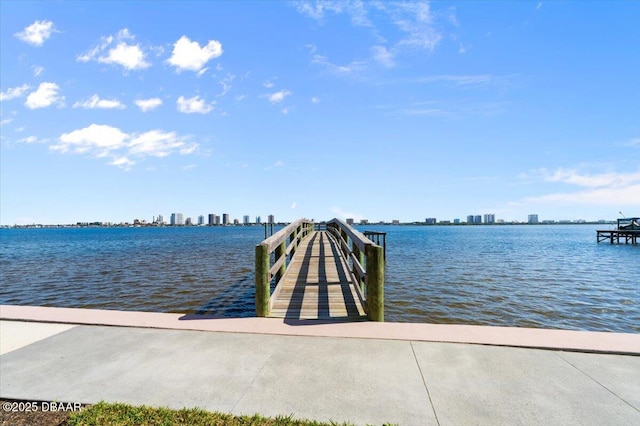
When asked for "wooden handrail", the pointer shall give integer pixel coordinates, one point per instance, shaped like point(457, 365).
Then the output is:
point(265, 271)
point(370, 276)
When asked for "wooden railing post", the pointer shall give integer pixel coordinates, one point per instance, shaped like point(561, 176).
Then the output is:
point(293, 238)
point(263, 284)
point(375, 282)
point(360, 256)
point(281, 251)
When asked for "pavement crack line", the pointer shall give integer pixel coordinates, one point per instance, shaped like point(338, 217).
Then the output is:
point(250, 385)
point(433, 408)
point(592, 378)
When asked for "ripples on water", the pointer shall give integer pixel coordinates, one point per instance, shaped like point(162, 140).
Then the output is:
point(527, 276)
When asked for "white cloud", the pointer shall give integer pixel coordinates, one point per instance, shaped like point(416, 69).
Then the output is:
point(416, 21)
point(294, 205)
point(155, 143)
point(268, 84)
point(15, 92)
point(5, 121)
point(94, 102)
point(279, 96)
point(277, 164)
point(103, 141)
point(383, 56)
point(315, 100)
point(45, 95)
point(148, 104)
point(116, 50)
point(574, 177)
point(123, 163)
point(354, 66)
point(37, 33)
point(98, 139)
point(318, 10)
point(31, 139)
point(188, 55)
point(605, 189)
point(37, 70)
point(194, 105)
point(226, 84)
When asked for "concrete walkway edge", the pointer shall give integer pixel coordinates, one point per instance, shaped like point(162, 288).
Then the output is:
point(567, 340)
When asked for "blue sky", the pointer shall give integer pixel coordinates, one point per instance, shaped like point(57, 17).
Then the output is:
point(377, 110)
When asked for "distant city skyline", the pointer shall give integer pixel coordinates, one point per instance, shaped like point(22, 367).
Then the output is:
point(367, 110)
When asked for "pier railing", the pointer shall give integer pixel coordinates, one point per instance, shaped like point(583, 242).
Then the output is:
point(366, 261)
point(283, 245)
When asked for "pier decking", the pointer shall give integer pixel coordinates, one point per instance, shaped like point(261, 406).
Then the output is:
point(317, 284)
point(627, 232)
point(333, 274)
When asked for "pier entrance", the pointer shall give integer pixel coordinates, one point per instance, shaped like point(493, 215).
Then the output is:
point(332, 274)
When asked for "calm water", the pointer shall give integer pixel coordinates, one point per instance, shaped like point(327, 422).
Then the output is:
point(528, 276)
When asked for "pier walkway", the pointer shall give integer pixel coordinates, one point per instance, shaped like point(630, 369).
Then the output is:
point(336, 274)
point(318, 284)
point(363, 372)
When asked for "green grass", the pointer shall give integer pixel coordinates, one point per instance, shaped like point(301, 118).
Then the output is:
point(126, 415)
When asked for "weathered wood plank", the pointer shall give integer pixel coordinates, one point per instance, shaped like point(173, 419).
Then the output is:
point(318, 284)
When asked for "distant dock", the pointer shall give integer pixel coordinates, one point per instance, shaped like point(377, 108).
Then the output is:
point(628, 232)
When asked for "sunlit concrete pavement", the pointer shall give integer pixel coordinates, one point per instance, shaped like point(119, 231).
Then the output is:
point(360, 380)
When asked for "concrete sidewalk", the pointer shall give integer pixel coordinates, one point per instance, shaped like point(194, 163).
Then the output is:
point(355, 379)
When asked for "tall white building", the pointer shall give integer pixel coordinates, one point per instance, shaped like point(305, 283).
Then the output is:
point(245, 219)
point(490, 218)
point(201, 220)
point(532, 218)
point(177, 219)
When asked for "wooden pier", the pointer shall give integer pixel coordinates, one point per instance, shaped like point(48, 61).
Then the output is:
point(334, 274)
point(627, 232)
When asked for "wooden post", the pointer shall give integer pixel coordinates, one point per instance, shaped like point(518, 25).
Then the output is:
point(281, 251)
point(293, 238)
point(263, 284)
point(375, 283)
point(360, 256)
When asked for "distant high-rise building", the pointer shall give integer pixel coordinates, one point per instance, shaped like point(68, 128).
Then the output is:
point(271, 219)
point(364, 222)
point(350, 221)
point(456, 221)
point(160, 219)
point(188, 222)
point(201, 220)
point(236, 222)
point(489, 218)
point(477, 219)
point(430, 221)
point(245, 219)
point(532, 218)
point(212, 219)
point(225, 219)
point(217, 221)
point(176, 219)
point(395, 222)
point(470, 218)
point(258, 220)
